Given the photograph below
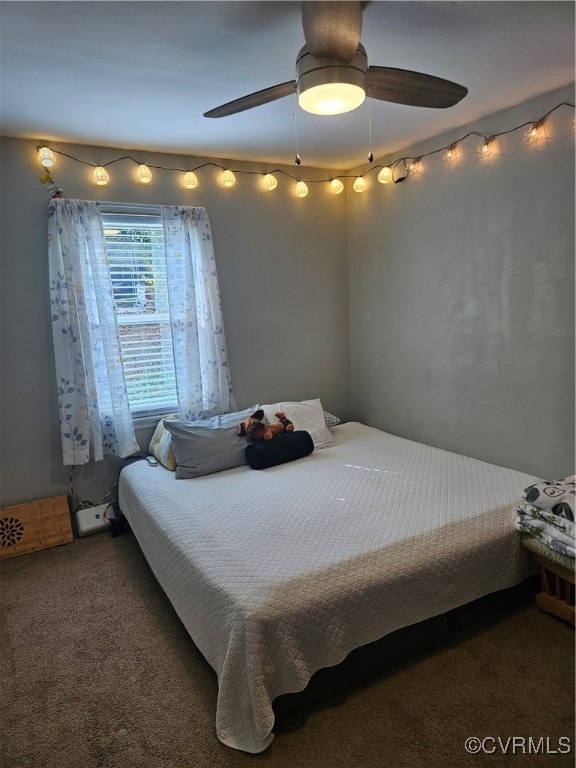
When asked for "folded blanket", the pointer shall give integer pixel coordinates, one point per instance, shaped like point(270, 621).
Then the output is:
point(547, 513)
point(553, 530)
point(557, 497)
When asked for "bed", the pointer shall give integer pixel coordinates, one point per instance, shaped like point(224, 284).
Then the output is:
point(279, 573)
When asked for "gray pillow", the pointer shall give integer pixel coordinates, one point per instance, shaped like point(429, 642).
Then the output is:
point(210, 445)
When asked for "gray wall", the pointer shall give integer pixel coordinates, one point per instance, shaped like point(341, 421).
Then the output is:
point(462, 296)
point(459, 286)
point(282, 265)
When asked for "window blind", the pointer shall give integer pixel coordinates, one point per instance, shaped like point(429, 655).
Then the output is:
point(136, 259)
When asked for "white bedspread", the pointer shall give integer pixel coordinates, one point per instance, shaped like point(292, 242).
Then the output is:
point(280, 572)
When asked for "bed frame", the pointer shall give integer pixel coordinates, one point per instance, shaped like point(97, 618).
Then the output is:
point(371, 660)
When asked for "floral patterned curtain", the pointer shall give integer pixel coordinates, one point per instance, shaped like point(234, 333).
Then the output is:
point(202, 370)
point(95, 416)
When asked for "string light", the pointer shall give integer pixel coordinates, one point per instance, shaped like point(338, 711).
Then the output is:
point(228, 179)
point(385, 175)
point(270, 182)
point(190, 180)
point(336, 186)
point(101, 176)
point(485, 148)
point(46, 157)
point(301, 189)
point(534, 131)
point(451, 154)
point(414, 166)
point(144, 174)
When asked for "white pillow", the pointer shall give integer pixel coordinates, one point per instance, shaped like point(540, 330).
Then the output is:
point(331, 420)
point(161, 445)
point(307, 415)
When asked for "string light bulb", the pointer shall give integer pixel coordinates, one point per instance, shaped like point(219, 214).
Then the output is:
point(535, 133)
point(190, 180)
point(485, 148)
point(144, 174)
point(336, 186)
point(451, 154)
point(101, 176)
point(385, 175)
point(270, 182)
point(359, 184)
point(301, 189)
point(46, 157)
point(228, 179)
point(414, 166)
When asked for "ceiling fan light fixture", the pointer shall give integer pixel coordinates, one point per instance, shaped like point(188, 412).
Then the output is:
point(330, 86)
point(332, 98)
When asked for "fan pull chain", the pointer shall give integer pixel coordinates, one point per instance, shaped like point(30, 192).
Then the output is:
point(297, 159)
point(370, 155)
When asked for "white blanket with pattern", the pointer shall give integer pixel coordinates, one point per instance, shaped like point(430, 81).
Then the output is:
point(547, 513)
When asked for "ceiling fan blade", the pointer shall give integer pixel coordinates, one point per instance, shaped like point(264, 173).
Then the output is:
point(415, 89)
point(253, 100)
point(332, 29)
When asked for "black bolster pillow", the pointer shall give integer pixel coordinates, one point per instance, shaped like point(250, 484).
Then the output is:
point(282, 448)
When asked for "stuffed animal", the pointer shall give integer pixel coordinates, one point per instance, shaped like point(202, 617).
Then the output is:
point(288, 426)
point(254, 427)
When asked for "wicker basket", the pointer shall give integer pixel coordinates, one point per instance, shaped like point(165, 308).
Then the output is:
point(33, 526)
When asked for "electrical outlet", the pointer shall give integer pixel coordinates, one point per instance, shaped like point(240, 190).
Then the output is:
point(92, 519)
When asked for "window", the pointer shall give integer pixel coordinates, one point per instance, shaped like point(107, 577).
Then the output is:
point(136, 258)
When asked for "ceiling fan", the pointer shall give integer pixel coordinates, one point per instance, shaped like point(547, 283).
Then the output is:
point(332, 72)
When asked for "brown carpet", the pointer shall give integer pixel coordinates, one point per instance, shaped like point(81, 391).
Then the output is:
point(97, 672)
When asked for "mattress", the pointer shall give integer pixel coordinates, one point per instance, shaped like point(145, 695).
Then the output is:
point(278, 573)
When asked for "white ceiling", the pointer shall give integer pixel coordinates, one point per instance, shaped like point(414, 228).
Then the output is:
point(139, 75)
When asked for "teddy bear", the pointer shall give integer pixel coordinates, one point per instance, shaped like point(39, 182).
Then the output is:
point(254, 427)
